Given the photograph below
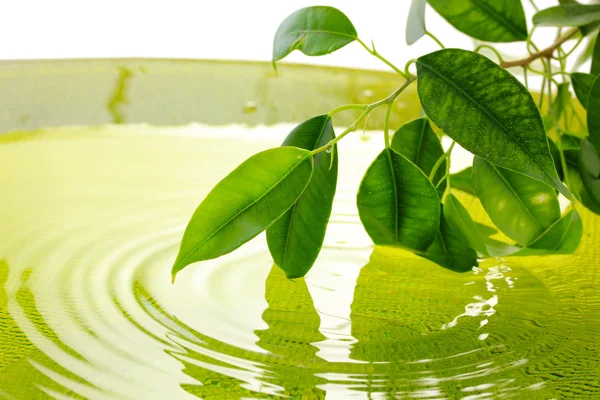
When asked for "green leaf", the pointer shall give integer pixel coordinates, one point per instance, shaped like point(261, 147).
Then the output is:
point(562, 237)
point(593, 115)
point(491, 21)
point(487, 111)
point(297, 237)
point(595, 68)
point(578, 188)
point(419, 144)
point(521, 207)
point(561, 101)
point(463, 180)
point(589, 166)
point(245, 203)
point(397, 203)
point(459, 219)
point(568, 15)
point(582, 84)
point(450, 249)
point(315, 31)
point(415, 25)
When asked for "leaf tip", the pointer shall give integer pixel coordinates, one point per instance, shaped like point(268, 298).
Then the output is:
point(173, 276)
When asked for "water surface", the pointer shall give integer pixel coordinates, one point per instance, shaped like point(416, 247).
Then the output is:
point(91, 220)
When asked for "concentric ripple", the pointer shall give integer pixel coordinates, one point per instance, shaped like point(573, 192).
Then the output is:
point(91, 219)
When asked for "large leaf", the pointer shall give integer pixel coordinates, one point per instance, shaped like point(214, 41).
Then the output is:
point(296, 238)
point(491, 21)
point(521, 207)
point(582, 84)
point(578, 188)
point(415, 25)
point(595, 68)
point(450, 249)
point(419, 144)
point(568, 15)
point(463, 180)
point(593, 115)
point(397, 203)
point(458, 218)
point(487, 111)
point(315, 31)
point(244, 203)
point(562, 237)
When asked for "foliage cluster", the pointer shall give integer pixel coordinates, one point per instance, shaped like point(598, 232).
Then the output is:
point(523, 159)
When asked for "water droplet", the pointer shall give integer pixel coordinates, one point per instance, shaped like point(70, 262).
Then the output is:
point(328, 150)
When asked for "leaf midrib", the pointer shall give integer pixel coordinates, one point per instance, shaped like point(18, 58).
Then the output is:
point(321, 31)
point(293, 209)
point(486, 112)
point(498, 17)
point(391, 165)
point(244, 209)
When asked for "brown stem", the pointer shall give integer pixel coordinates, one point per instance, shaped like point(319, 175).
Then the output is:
point(547, 52)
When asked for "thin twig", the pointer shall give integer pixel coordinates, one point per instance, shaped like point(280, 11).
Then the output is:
point(546, 53)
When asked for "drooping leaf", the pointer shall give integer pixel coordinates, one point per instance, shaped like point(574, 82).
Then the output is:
point(415, 25)
point(595, 68)
point(593, 115)
point(490, 21)
point(487, 111)
point(562, 237)
point(245, 203)
point(450, 249)
point(397, 203)
point(463, 180)
point(296, 238)
point(568, 15)
point(582, 84)
point(521, 207)
point(578, 189)
point(586, 53)
point(589, 166)
point(589, 28)
point(419, 144)
point(459, 219)
point(561, 101)
point(315, 31)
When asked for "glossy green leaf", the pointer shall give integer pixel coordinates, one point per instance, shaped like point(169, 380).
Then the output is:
point(487, 111)
point(397, 203)
point(589, 167)
point(415, 25)
point(593, 115)
point(595, 68)
point(419, 144)
point(521, 207)
point(296, 238)
point(315, 31)
point(245, 203)
point(490, 21)
point(568, 15)
point(562, 237)
point(459, 219)
point(579, 190)
point(582, 84)
point(450, 249)
point(556, 157)
point(463, 180)
point(589, 28)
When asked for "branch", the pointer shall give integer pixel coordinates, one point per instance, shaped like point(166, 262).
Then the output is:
point(547, 52)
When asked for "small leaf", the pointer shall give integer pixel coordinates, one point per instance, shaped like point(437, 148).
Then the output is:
point(562, 237)
point(245, 203)
point(463, 180)
point(397, 203)
point(561, 101)
point(315, 31)
point(419, 144)
point(296, 238)
point(521, 207)
point(490, 21)
point(593, 115)
point(487, 111)
point(450, 249)
point(595, 68)
point(568, 15)
point(458, 218)
point(582, 84)
point(415, 25)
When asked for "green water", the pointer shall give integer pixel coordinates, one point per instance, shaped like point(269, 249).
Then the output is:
point(90, 220)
